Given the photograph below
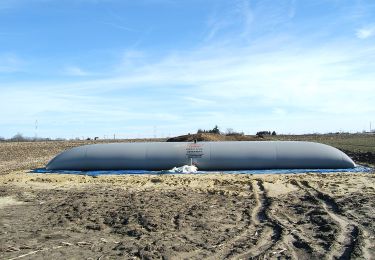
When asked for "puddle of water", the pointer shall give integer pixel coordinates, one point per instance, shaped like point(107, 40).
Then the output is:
point(275, 171)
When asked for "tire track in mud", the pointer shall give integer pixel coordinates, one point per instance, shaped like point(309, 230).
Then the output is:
point(287, 240)
point(221, 249)
point(244, 238)
point(271, 231)
point(350, 234)
point(259, 234)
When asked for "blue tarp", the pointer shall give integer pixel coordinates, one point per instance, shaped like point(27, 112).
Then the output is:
point(275, 171)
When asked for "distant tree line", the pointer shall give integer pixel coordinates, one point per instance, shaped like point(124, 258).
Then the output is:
point(216, 130)
point(263, 133)
point(20, 138)
point(231, 132)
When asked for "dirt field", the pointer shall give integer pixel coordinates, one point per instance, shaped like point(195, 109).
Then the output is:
point(299, 216)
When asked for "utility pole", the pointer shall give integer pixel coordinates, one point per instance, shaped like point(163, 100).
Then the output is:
point(36, 129)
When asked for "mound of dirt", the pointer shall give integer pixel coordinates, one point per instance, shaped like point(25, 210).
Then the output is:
point(362, 157)
point(209, 137)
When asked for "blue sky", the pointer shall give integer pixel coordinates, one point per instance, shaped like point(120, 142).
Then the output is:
point(168, 67)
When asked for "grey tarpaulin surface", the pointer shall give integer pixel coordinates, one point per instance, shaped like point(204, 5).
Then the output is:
point(207, 156)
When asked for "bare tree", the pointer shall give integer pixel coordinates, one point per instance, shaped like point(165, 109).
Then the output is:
point(18, 138)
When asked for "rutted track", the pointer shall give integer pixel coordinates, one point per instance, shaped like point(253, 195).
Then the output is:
point(251, 233)
point(350, 233)
point(271, 231)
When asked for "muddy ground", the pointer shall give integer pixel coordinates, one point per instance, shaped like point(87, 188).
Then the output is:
point(299, 216)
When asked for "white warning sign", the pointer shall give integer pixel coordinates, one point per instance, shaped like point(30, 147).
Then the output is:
point(194, 150)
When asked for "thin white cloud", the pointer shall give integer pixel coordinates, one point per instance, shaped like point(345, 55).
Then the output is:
point(247, 15)
point(198, 101)
point(279, 112)
point(365, 32)
point(75, 71)
point(320, 80)
point(10, 63)
point(119, 26)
